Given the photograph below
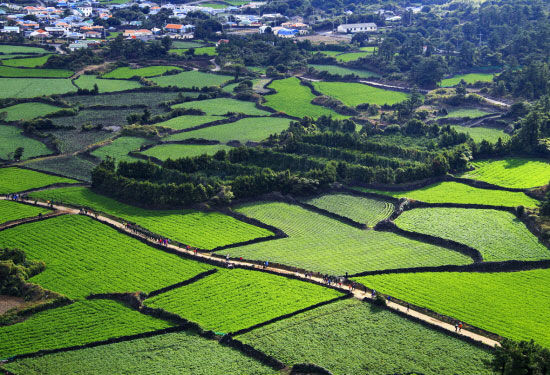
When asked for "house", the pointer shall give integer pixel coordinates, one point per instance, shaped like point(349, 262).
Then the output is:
point(11, 29)
point(295, 25)
point(86, 11)
point(42, 34)
point(55, 31)
point(93, 34)
point(174, 28)
point(356, 28)
point(77, 45)
point(137, 33)
point(281, 32)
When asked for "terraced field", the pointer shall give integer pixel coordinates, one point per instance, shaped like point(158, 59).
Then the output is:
point(231, 300)
point(465, 112)
point(186, 122)
point(29, 62)
point(151, 99)
point(222, 106)
point(10, 211)
point(87, 82)
point(185, 44)
point(28, 111)
point(511, 172)
point(103, 117)
point(149, 71)
point(318, 243)
point(12, 49)
point(362, 336)
point(353, 94)
point(9, 71)
point(352, 56)
point(191, 79)
point(33, 87)
point(120, 147)
point(468, 78)
point(13, 180)
point(335, 69)
point(479, 134)
point(72, 166)
point(12, 137)
point(206, 230)
point(177, 151)
point(198, 51)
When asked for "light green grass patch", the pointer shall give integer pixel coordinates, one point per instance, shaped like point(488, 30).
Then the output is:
point(479, 134)
point(120, 147)
point(184, 44)
point(177, 151)
point(29, 62)
point(87, 82)
point(149, 71)
point(353, 94)
point(465, 112)
point(214, 5)
point(335, 69)
point(33, 87)
point(191, 79)
point(13, 180)
point(11, 49)
point(28, 111)
point(352, 56)
point(468, 78)
point(8, 71)
point(12, 137)
point(199, 51)
point(10, 211)
point(222, 106)
point(186, 122)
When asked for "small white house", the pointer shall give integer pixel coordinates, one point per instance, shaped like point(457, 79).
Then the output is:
point(353, 28)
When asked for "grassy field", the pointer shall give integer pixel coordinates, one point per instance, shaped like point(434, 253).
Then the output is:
point(77, 140)
point(468, 78)
point(186, 122)
point(185, 44)
point(511, 172)
point(497, 235)
point(28, 111)
point(191, 79)
point(206, 230)
point(151, 99)
point(13, 138)
point(349, 337)
point(199, 51)
point(33, 87)
point(214, 5)
point(104, 117)
point(318, 243)
point(479, 134)
point(168, 354)
point(230, 300)
point(221, 106)
point(12, 72)
point(175, 151)
point(150, 71)
point(9, 49)
point(71, 166)
point(353, 94)
point(295, 99)
point(511, 304)
point(363, 210)
point(465, 112)
point(76, 324)
point(334, 69)
point(243, 130)
point(120, 148)
point(352, 56)
point(13, 180)
point(87, 82)
point(454, 192)
point(10, 211)
point(29, 62)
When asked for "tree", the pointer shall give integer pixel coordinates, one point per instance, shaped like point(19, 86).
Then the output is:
point(18, 153)
point(429, 71)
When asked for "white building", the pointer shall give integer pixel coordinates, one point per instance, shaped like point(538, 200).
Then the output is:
point(85, 11)
point(357, 28)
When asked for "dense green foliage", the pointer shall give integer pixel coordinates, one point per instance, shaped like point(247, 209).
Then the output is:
point(13, 180)
point(10, 211)
point(15, 269)
point(222, 106)
point(511, 172)
point(28, 111)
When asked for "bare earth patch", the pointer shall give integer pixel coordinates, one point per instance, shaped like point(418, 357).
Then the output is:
point(9, 302)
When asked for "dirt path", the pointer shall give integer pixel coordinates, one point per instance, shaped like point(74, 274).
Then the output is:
point(88, 68)
point(9, 302)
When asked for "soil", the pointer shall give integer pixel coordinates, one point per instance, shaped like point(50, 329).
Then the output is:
point(9, 302)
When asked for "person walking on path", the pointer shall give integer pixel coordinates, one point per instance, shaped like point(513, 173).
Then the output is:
point(456, 327)
point(408, 307)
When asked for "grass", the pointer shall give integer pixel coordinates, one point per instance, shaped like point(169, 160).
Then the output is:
point(176, 151)
point(191, 79)
point(29, 62)
point(149, 71)
point(222, 106)
point(10, 211)
point(105, 117)
point(497, 235)
point(214, 5)
point(319, 243)
point(168, 354)
point(12, 72)
point(231, 300)
point(349, 337)
point(353, 94)
point(186, 122)
point(468, 78)
point(295, 99)
point(465, 112)
point(33, 87)
point(184, 44)
point(206, 230)
point(479, 134)
point(151, 99)
point(14, 180)
point(511, 304)
point(76, 324)
point(28, 111)
point(244, 130)
point(334, 69)
point(352, 56)
point(199, 51)
point(87, 82)
point(11, 49)
point(454, 192)
point(120, 147)
point(12, 138)
point(363, 210)
point(83, 256)
point(512, 172)
point(71, 166)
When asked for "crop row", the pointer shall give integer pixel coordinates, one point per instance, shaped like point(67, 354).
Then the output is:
point(10, 211)
point(13, 180)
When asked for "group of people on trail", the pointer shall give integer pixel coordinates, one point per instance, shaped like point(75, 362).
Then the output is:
point(15, 197)
point(147, 234)
point(333, 280)
point(85, 211)
point(458, 327)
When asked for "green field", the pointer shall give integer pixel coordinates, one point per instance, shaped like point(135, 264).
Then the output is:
point(222, 106)
point(465, 112)
point(352, 56)
point(28, 111)
point(454, 192)
point(177, 151)
point(76, 324)
point(363, 210)
point(349, 337)
point(468, 78)
point(12, 72)
point(331, 53)
point(206, 230)
point(87, 82)
point(33, 87)
point(295, 99)
point(191, 79)
point(243, 130)
point(199, 51)
point(169, 354)
point(214, 5)
point(12, 138)
point(104, 117)
point(498, 235)
point(29, 62)
point(335, 69)
point(72, 166)
point(149, 71)
point(186, 122)
point(479, 134)
point(151, 99)
point(318, 243)
point(13, 180)
point(11, 49)
point(231, 300)
point(511, 304)
point(10, 211)
point(185, 44)
point(120, 147)
point(353, 94)
point(512, 172)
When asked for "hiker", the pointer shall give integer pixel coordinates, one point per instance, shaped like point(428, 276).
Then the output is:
point(373, 293)
point(389, 299)
point(460, 327)
point(346, 275)
point(353, 286)
point(40, 216)
point(227, 258)
point(408, 307)
point(456, 327)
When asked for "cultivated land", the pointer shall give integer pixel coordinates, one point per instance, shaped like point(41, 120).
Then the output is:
point(150, 71)
point(512, 172)
point(353, 94)
point(14, 180)
point(12, 138)
point(169, 354)
point(9, 49)
point(191, 79)
point(87, 82)
point(8, 71)
point(208, 51)
point(72, 166)
point(206, 230)
point(350, 336)
point(10, 211)
point(352, 56)
point(33, 87)
point(511, 304)
point(120, 147)
point(318, 243)
point(465, 112)
point(186, 122)
point(454, 192)
point(222, 106)
point(176, 151)
point(104, 117)
point(29, 62)
point(28, 111)
point(335, 69)
point(468, 78)
point(479, 134)
point(152, 99)
point(231, 300)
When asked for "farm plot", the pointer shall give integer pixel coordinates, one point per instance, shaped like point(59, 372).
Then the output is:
point(185, 44)
point(468, 78)
point(29, 62)
point(335, 69)
point(318, 243)
point(511, 172)
point(12, 138)
point(9, 71)
point(120, 147)
point(104, 117)
point(295, 99)
point(177, 151)
point(11, 49)
point(13, 180)
point(511, 304)
point(150, 71)
point(191, 79)
point(497, 235)
point(243, 130)
point(206, 230)
point(71, 166)
point(454, 192)
point(363, 336)
point(151, 99)
point(353, 94)
point(33, 87)
point(231, 300)
point(87, 82)
point(363, 210)
point(28, 111)
point(169, 354)
point(186, 122)
point(83, 256)
point(222, 106)
point(465, 112)
point(77, 324)
point(10, 211)
point(352, 56)
point(198, 51)
point(73, 140)
point(479, 134)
